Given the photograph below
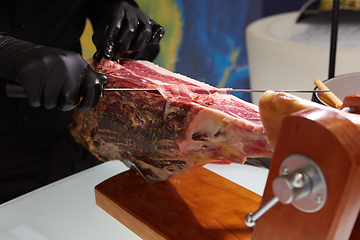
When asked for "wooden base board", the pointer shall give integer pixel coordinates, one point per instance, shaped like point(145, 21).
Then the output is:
point(197, 205)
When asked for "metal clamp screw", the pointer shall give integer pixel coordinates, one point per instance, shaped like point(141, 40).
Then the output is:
point(318, 199)
point(298, 180)
point(285, 171)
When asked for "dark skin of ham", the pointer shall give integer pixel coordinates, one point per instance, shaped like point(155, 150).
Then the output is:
point(146, 141)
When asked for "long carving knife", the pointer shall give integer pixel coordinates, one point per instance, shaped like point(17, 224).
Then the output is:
point(16, 91)
point(219, 90)
point(200, 90)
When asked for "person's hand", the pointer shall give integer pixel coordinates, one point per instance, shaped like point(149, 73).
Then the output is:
point(127, 29)
point(50, 77)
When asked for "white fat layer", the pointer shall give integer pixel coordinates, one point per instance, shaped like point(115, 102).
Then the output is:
point(223, 115)
point(222, 132)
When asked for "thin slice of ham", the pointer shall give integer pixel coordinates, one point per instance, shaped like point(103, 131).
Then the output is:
point(171, 131)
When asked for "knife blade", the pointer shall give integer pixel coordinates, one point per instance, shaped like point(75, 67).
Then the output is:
point(16, 91)
point(220, 90)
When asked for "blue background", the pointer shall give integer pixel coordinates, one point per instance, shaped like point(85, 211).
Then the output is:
point(214, 32)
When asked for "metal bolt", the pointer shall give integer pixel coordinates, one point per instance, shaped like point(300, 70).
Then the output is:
point(318, 199)
point(298, 180)
point(249, 221)
point(285, 171)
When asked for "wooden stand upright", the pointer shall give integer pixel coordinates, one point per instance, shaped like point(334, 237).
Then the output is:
point(333, 143)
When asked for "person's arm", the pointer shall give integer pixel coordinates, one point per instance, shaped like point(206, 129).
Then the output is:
point(121, 27)
point(51, 77)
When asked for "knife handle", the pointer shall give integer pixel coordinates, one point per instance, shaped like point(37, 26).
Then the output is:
point(14, 90)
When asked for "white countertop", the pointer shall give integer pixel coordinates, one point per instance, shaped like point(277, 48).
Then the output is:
point(67, 210)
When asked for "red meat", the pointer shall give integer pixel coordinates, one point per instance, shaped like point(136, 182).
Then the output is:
point(169, 131)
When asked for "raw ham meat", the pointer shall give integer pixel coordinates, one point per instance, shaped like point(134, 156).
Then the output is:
point(171, 130)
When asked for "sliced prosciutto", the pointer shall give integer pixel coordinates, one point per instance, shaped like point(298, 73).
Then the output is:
point(182, 125)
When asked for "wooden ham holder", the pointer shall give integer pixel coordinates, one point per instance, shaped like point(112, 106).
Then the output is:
point(203, 205)
point(333, 143)
point(197, 205)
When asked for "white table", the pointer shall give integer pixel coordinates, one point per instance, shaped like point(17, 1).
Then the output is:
point(66, 209)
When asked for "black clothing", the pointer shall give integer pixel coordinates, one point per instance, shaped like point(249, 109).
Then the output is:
point(36, 147)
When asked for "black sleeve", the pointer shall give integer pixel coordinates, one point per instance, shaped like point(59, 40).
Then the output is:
point(149, 53)
point(3, 33)
point(98, 14)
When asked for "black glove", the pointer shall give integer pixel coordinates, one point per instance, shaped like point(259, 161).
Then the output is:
point(50, 77)
point(127, 29)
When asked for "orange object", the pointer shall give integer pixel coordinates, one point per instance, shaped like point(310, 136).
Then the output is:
point(353, 102)
point(328, 97)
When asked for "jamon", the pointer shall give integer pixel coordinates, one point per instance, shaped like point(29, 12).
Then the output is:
point(171, 130)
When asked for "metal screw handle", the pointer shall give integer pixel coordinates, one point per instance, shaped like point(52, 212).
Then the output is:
point(300, 183)
point(286, 188)
point(251, 218)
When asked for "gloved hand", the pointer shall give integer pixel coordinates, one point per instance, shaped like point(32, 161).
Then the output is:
point(128, 29)
point(50, 77)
